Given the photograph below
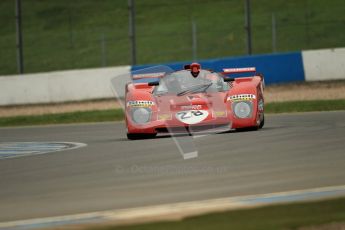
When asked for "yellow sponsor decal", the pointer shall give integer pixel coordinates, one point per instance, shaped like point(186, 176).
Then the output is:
point(164, 117)
point(242, 97)
point(140, 103)
point(219, 113)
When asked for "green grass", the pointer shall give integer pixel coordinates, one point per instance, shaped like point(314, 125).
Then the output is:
point(67, 34)
point(278, 217)
point(305, 106)
point(64, 118)
point(117, 114)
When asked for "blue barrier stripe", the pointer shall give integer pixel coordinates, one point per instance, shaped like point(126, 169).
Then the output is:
point(276, 68)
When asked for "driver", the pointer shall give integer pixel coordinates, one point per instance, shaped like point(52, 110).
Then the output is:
point(198, 76)
point(217, 83)
point(195, 69)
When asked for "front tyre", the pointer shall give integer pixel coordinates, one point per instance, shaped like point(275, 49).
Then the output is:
point(262, 123)
point(253, 128)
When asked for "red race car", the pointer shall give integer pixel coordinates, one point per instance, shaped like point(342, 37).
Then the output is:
point(192, 100)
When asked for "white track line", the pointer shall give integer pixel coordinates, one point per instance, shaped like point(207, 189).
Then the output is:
point(34, 148)
point(177, 210)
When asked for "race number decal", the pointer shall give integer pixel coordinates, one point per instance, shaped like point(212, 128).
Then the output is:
point(191, 117)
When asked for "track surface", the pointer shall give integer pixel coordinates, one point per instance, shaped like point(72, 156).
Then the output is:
point(295, 151)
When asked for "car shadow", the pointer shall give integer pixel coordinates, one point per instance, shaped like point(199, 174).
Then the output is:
point(167, 135)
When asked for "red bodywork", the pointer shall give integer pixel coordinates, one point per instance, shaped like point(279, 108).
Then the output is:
point(198, 109)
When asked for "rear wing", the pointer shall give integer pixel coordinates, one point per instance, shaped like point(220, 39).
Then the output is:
point(228, 71)
point(239, 70)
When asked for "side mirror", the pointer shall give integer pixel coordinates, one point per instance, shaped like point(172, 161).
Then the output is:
point(228, 79)
point(153, 83)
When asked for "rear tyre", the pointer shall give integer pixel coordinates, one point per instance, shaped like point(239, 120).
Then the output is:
point(138, 136)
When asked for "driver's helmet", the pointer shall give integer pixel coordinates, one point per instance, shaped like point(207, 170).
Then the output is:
point(195, 69)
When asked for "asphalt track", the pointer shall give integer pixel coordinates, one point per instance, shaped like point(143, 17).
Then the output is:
point(293, 151)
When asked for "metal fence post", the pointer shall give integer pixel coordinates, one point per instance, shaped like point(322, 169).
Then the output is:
point(19, 40)
point(194, 41)
point(274, 33)
point(104, 50)
point(70, 28)
point(248, 26)
point(131, 22)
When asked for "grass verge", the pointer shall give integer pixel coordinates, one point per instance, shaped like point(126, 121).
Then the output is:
point(288, 216)
point(305, 106)
point(64, 118)
point(117, 114)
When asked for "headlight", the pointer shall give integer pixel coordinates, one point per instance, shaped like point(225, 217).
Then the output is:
point(243, 109)
point(141, 115)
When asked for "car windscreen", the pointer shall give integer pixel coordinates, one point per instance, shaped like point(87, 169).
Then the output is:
point(183, 81)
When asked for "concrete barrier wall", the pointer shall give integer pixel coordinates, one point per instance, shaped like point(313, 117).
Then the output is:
point(326, 64)
point(76, 85)
point(60, 86)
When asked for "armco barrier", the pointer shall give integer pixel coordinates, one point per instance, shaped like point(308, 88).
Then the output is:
point(277, 68)
point(60, 86)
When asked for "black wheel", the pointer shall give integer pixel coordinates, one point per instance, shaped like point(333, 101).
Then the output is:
point(262, 123)
point(138, 136)
point(253, 128)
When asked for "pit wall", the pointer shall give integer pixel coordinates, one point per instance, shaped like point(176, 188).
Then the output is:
point(91, 84)
point(60, 86)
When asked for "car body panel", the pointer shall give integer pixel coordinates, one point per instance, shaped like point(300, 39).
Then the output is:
point(192, 110)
